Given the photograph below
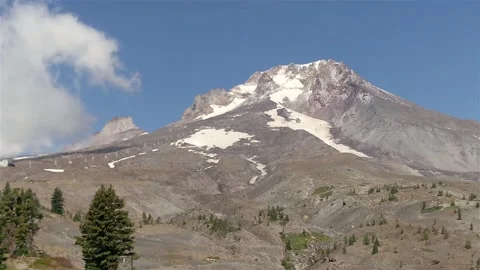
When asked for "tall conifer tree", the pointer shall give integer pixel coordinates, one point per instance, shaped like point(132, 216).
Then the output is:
point(106, 231)
point(57, 201)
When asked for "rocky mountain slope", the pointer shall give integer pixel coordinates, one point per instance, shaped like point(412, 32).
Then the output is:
point(117, 129)
point(362, 116)
point(264, 176)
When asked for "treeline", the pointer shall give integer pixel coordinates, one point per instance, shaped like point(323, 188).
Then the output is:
point(20, 215)
point(19, 219)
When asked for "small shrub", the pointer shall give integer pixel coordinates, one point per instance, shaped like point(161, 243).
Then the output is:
point(366, 240)
point(468, 244)
point(432, 209)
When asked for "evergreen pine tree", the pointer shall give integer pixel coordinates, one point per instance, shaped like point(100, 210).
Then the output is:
point(106, 231)
point(366, 240)
point(57, 201)
point(144, 218)
point(374, 249)
point(288, 245)
point(150, 219)
point(459, 214)
point(19, 216)
point(3, 258)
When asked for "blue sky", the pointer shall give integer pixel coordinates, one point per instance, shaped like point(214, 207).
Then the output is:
point(426, 52)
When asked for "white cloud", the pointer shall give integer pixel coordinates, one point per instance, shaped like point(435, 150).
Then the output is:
point(35, 110)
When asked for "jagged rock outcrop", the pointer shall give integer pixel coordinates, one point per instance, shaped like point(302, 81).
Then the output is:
point(117, 129)
point(363, 116)
point(201, 104)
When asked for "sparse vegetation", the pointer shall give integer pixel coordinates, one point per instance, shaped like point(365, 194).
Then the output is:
point(392, 198)
point(219, 226)
point(276, 214)
point(459, 214)
point(46, 262)
point(366, 240)
point(287, 264)
point(320, 190)
point(77, 217)
point(376, 244)
point(468, 244)
point(299, 241)
point(472, 197)
point(432, 209)
point(147, 219)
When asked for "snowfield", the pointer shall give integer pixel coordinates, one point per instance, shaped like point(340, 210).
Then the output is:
point(211, 138)
point(219, 110)
point(316, 127)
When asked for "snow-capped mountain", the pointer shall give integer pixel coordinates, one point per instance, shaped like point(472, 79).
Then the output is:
point(117, 129)
point(360, 115)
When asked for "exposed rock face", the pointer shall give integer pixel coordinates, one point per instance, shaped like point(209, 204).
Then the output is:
point(362, 115)
point(283, 113)
point(201, 104)
point(117, 129)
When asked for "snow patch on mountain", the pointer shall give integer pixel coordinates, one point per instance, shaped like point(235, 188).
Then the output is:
point(219, 110)
point(54, 170)
point(260, 167)
point(112, 164)
point(244, 89)
point(316, 127)
point(291, 94)
point(202, 153)
point(285, 82)
point(211, 138)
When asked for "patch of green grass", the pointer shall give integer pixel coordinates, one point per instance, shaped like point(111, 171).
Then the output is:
point(320, 237)
point(320, 190)
point(326, 194)
point(432, 209)
point(52, 263)
point(297, 241)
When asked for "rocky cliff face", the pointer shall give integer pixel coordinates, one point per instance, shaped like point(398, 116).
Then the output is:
point(363, 116)
point(117, 129)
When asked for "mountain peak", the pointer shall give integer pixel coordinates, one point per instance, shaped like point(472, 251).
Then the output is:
point(366, 117)
point(117, 129)
point(118, 125)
